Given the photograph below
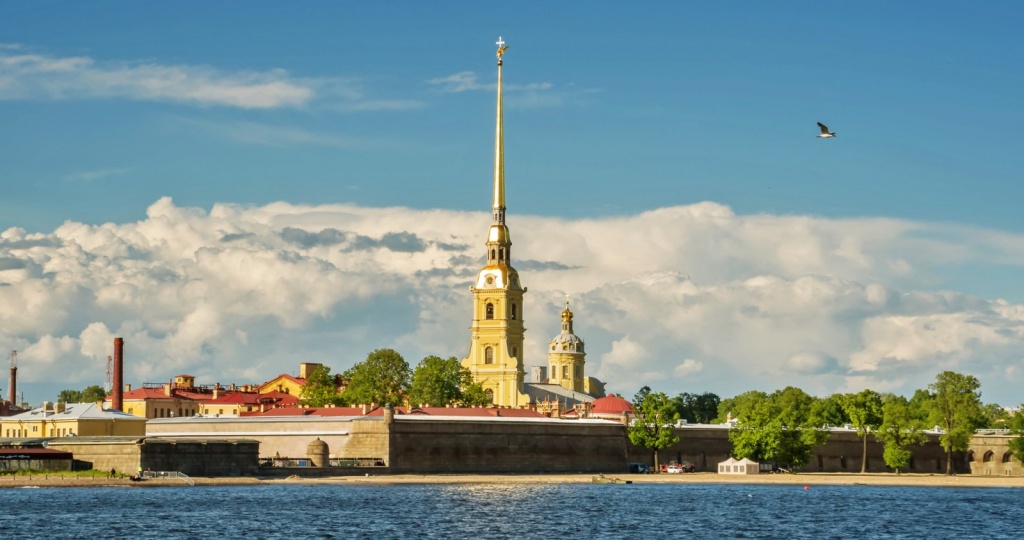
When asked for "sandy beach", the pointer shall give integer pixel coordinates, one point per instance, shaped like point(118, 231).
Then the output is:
point(802, 479)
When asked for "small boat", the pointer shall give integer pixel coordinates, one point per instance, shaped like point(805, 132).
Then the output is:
point(602, 479)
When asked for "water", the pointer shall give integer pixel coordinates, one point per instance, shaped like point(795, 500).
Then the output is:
point(511, 511)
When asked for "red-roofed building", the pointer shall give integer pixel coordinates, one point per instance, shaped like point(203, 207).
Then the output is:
point(164, 401)
point(611, 407)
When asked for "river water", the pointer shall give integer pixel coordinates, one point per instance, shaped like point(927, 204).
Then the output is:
point(547, 511)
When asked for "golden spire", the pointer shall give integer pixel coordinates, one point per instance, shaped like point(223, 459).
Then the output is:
point(499, 149)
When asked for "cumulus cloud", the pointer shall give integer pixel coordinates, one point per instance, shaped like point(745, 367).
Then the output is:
point(690, 298)
point(28, 75)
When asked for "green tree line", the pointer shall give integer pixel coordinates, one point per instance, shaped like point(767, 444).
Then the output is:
point(385, 377)
point(784, 427)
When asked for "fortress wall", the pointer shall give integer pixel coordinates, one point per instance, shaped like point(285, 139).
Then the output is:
point(470, 446)
point(989, 455)
point(202, 457)
point(706, 447)
point(285, 437)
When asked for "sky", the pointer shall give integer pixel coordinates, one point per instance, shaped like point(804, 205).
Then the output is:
point(237, 189)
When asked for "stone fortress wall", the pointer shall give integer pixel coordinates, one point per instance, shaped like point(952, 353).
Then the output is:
point(431, 445)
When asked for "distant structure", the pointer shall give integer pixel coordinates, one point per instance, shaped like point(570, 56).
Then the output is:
point(14, 378)
point(117, 396)
point(496, 348)
point(497, 332)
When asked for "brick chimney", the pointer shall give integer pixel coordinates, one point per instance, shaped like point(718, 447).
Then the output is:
point(14, 378)
point(117, 385)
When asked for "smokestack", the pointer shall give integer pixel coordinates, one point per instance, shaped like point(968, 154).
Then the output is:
point(117, 385)
point(14, 378)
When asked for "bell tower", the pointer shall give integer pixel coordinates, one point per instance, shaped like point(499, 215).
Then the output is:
point(566, 356)
point(496, 348)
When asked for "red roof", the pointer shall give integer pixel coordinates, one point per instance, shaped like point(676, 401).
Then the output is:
point(235, 398)
point(310, 411)
point(611, 405)
point(150, 393)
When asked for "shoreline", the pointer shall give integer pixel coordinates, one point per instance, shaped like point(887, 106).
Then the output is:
point(804, 479)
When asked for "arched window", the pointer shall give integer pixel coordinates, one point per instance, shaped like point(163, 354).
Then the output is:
point(490, 311)
point(501, 253)
point(513, 312)
point(565, 372)
point(1007, 457)
point(490, 395)
point(515, 351)
point(988, 456)
point(488, 355)
point(492, 254)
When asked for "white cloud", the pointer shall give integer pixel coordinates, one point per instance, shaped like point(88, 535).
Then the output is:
point(241, 293)
point(530, 95)
point(688, 367)
point(92, 176)
point(31, 76)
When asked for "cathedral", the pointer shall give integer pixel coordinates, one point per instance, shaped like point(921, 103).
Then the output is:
point(497, 334)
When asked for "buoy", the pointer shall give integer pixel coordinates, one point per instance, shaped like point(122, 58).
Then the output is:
point(807, 488)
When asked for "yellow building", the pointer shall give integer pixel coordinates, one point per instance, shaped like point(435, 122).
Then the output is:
point(566, 357)
point(288, 384)
point(163, 401)
point(63, 420)
point(496, 350)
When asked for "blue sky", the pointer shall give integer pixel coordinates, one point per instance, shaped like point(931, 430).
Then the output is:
point(613, 111)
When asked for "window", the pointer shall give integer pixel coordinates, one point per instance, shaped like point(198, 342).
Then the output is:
point(513, 312)
point(488, 355)
point(492, 253)
point(565, 372)
point(515, 351)
point(490, 311)
point(490, 395)
point(577, 369)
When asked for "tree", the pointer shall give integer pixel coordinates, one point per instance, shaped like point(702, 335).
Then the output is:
point(321, 389)
point(956, 406)
point(865, 412)
point(697, 408)
point(901, 429)
point(91, 394)
point(781, 428)
point(1017, 429)
point(69, 396)
point(382, 378)
point(830, 411)
point(993, 416)
point(655, 417)
point(740, 405)
point(921, 405)
point(442, 382)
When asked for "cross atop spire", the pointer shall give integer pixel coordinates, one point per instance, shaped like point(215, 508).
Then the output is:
point(501, 48)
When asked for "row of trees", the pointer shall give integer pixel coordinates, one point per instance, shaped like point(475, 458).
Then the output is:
point(385, 377)
point(90, 394)
point(785, 426)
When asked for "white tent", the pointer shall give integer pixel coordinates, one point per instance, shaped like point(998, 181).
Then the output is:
point(742, 466)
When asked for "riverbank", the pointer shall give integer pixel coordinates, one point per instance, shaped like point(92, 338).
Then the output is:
point(803, 479)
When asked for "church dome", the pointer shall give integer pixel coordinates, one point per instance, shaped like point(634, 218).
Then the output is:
point(611, 405)
point(566, 341)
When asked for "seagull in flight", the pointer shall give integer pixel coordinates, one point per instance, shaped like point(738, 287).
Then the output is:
point(825, 133)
